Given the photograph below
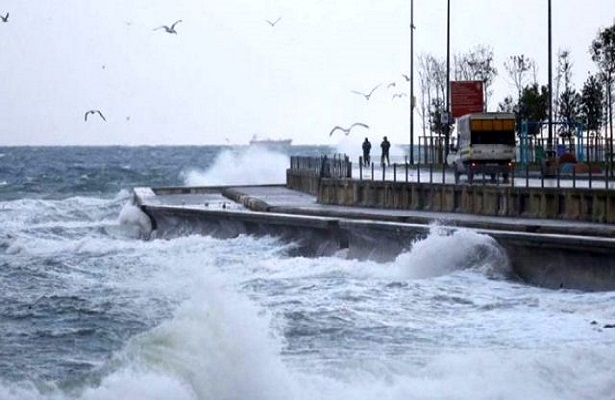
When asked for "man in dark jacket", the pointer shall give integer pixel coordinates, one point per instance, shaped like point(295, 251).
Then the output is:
point(385, 146)
point(367, 147)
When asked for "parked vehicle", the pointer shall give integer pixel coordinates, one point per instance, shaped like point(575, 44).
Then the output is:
point(486, 146)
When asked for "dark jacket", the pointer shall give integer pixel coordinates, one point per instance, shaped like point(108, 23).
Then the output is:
point(367, 146)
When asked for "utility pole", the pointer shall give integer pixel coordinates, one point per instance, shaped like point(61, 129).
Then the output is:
point(411, 82)
point(550, 85)
point(448, 79)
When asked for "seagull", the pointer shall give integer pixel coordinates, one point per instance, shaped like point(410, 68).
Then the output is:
point(347, 130)
point(274, 22)
point(5, 18)
point(94, 112)
point(367, 96)
point(171, 29)
point(398, 95)
point(390, 85)
point(406, 77)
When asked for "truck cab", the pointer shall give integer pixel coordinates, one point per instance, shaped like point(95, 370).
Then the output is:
point(486, 146)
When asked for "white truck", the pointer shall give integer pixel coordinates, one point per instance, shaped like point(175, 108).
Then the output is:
point(485, 146)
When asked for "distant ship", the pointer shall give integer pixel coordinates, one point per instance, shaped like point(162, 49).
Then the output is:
point(270, 143)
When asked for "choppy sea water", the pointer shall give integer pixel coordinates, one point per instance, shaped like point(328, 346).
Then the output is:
point(88, 311)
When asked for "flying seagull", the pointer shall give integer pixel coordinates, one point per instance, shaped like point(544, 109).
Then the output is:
point(5, 18)
point(274, 22)
point(347, 130)
point(406, 77)
point(94, 112)
point(390, 85)
point(398, 95)
point(167, 29)
point(368, 95)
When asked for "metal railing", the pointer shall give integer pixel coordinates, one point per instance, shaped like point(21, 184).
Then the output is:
point(592, 175)
point(334, 166)
point(581, 175)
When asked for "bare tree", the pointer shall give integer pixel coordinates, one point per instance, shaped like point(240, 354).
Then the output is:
point(425, 84)
point(477, 64)
point(518, 67)
point(432, 85)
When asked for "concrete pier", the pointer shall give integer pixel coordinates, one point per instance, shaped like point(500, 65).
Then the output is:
point(547, 252)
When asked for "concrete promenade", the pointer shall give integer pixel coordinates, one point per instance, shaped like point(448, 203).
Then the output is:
point(546, 252)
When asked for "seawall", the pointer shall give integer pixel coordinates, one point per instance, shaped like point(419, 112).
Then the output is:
point(559, 256)
point(574, 204)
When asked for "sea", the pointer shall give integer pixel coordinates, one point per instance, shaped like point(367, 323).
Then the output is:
point(90, 311)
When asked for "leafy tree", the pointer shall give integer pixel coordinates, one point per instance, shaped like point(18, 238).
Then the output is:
point(602, 51)
point(592, 110)
point(568, 101)
point(533, 106)
point(569, 110)
point(592, 98)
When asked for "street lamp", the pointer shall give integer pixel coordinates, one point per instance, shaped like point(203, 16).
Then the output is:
point(550, 84)
point(411, 82)
point(448, 77)
point(549, 168)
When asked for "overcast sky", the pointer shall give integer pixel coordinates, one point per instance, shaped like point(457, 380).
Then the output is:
point(227, 74)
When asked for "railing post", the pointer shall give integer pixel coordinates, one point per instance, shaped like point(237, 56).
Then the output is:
point(542, 178)
point(512, 174)
point(394, 172)
point(431, 173)
point(360, 168)
point(443, 176)
point(418, 172)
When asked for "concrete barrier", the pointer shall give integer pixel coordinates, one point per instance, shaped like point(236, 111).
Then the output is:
point(550, 260)
point(574, 204)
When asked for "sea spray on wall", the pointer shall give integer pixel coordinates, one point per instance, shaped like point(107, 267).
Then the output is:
point(245, 166)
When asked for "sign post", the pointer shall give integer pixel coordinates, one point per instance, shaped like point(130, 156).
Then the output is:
point(466, 98)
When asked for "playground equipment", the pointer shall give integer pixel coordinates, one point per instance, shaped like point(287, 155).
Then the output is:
point(525, 140)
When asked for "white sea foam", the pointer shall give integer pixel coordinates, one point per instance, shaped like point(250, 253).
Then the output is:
point(135, 220)
point(246, 166)
point(444, 251)
point(427, 325)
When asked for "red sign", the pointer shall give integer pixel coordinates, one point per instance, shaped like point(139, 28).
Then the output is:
point(466, 97)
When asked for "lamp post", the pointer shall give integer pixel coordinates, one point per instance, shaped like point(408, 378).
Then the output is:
point(550, 84)
point(448, 78)
point(549, 167)
point(411, 82)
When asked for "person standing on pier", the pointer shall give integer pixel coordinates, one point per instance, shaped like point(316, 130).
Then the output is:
point(385, 146)
point(367, 147)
